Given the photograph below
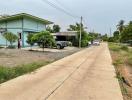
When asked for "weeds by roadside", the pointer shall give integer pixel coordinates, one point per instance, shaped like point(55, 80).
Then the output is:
point(122, 57)
point(7, 73)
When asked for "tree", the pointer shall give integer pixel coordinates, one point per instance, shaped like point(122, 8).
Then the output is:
point(126, 34)
point(56, 28)
point(111, 39)
point(84, 35)
point(43, 38)
point(116, 36)
point(10, 37)
point(120, 25)
point(30, 40)
point(105, 37)
point(75, 27)
point(94, 36)
point(48, 28)
point(120, 28)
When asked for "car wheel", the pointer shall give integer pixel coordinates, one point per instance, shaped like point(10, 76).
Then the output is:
point(58, 46)
point(62, 47)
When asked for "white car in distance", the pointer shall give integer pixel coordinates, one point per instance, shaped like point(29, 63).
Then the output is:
point(96, 42)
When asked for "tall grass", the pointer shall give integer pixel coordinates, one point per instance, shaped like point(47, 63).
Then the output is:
point(125, 48)
point(7, 73)
point(118, 47)
point(114, 46)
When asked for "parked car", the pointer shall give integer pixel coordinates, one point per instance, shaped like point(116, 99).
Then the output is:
point(96, 42)
point(61, 44)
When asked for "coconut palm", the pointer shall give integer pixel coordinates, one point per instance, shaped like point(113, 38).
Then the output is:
point(120, 28)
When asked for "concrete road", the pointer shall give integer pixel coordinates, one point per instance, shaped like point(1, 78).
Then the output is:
point(86, 75)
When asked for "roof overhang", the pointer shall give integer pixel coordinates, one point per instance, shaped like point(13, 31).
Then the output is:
point(22, 15)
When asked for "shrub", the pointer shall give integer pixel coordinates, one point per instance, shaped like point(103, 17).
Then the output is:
point(29, 40)
point(125, 48)
point(1, 47)
point(10, 37)
point(84, 43)
point(11, 47)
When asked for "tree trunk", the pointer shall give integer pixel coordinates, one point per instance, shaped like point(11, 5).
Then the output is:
point(43, 46)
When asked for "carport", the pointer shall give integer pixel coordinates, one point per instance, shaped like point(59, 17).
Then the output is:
point(65, 36)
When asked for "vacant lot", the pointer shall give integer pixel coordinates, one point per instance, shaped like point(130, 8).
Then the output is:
point(14, 63)
point(14, 57)
point(122, 59)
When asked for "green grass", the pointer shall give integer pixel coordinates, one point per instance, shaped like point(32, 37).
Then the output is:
point(123, 51)
point(114, 47)
point(125, 48)
point(7, 73)
point(122, 56)
point(118, 47)
point(118, 62)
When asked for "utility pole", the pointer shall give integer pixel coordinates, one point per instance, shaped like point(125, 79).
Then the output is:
point(110, 32)
point(80, 39)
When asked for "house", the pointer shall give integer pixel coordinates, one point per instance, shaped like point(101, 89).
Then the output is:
point(21, 25)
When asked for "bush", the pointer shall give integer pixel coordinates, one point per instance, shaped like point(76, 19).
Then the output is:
point(111, 39)
point(1, 47)
point(84, 43)
point(125, 48)
point(10, 37)
point(11, 47)
point(29, 40)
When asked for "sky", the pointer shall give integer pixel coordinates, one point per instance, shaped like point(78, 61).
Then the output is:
point(98, 15)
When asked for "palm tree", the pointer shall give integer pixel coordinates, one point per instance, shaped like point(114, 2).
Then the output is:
point(120, 25)
point(120, 28)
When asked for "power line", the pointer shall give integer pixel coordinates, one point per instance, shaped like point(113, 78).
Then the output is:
point(59, 8)
point(61, 4)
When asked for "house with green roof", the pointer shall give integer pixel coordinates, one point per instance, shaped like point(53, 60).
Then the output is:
point(21, 25)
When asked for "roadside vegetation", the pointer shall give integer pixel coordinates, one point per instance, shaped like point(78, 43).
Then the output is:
point(122, 60)
point(17, 62)
point(43, 39)
point(11, 38)
point(85, 36)
point(120, 45)
point(7, 73)
point(123, 34)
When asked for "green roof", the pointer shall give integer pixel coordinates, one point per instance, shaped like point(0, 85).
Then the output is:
point(22, 15)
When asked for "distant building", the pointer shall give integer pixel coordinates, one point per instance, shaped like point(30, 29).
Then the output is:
point(21, 25)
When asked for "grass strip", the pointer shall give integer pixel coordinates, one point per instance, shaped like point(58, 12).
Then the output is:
point(7, 73)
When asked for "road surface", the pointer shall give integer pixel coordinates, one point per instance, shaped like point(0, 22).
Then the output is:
point(86, 75)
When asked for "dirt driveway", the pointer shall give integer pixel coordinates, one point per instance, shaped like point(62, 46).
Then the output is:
point(15, 57)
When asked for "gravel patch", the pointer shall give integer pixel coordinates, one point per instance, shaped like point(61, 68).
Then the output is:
point(15, 57)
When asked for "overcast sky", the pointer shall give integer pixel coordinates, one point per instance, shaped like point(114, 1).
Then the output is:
point(99, 15)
